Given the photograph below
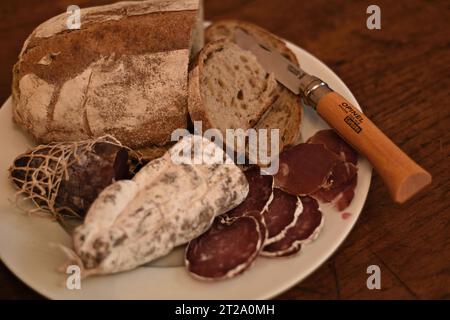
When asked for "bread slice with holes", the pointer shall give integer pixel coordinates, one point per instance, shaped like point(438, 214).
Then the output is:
point(228, 88)
point(287, 111)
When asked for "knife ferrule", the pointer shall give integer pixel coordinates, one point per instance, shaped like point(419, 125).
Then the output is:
point(313, 89)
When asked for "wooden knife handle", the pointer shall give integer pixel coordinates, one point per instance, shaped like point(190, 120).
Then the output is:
point(403, 177)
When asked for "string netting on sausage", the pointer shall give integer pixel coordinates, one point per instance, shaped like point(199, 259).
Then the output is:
point(39, 173)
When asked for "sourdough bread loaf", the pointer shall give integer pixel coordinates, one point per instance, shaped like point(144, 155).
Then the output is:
point(123, 73)
point(285, 113)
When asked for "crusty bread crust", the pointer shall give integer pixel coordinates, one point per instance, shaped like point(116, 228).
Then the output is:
point(195, 100)
point(123, 73)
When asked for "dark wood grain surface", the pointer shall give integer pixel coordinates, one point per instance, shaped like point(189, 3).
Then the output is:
point(399, 74)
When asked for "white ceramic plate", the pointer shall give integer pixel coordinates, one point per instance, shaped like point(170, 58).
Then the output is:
point(25, 241)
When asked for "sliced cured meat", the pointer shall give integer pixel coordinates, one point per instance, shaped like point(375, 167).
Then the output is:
point(344, 198)
point(259, 195)
point(281, 214)
point(304, 168)
point(225, 250)
point(342, 173)
point(262, 224)
point(255, 214)
point(340, 186)
point(305, 230)
point(341, 177)
point(260, 191)
point(334, 143)
point(341, 183)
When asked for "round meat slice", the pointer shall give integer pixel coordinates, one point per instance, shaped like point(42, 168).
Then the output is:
point(281, 214)
point(255, 214)
point(304, 169)
point(262, 224)
point(304, 231)
point(340, 186)
point(342, 175)
point(260, 192)
point(336, 144)
point(225, 250)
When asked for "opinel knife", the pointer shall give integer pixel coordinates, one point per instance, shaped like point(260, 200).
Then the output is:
point(403, 177)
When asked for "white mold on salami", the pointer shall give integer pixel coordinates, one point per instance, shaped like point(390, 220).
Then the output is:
point(226, 250)
point(134, 222)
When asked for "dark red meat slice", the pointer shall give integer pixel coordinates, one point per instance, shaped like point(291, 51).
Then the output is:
point(334, 143)
point(281, 213)
point(342, 173)
point(225, 250)
point(340, 186)
point(305, 228)
point(262, 223)
point(341, 177)
point(304, 168)
point(260, 190)
point(255, 214)
point(344, 198)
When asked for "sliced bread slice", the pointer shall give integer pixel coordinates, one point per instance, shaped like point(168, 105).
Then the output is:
point(228, 88)
point(286, 113)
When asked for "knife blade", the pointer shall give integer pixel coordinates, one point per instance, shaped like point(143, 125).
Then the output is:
point(285, 72)
point(403, 177)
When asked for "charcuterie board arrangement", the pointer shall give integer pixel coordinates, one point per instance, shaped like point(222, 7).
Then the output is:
point(115, 149)
point(226, 215)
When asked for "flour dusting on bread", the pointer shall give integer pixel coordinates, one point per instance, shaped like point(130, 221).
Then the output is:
point(112, 76)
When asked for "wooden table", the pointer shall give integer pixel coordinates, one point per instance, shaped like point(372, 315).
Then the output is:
point(399, 74)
